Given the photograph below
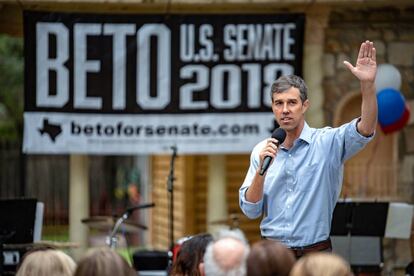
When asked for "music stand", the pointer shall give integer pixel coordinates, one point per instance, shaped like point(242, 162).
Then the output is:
point(357, 231)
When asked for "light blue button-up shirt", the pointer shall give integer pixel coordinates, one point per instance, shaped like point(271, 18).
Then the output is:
point(303, 184)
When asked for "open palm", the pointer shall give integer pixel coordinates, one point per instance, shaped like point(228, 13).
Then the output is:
point(366, 64)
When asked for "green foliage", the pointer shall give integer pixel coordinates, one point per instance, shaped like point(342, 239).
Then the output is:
point(11, 87)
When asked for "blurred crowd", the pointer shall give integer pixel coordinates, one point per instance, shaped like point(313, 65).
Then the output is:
point(226, 254)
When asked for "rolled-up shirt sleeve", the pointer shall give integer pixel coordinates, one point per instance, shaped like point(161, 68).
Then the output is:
point(354, 141)
point(250, 209)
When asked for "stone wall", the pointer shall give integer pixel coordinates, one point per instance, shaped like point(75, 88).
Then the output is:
point(392, 31)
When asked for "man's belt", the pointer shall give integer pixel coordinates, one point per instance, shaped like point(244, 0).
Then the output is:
point(316, 247)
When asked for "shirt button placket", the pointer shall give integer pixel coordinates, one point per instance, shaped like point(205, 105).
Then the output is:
point(291, 181)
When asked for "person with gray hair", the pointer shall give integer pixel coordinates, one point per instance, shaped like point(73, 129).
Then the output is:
point(298, 192)
point(226, 256)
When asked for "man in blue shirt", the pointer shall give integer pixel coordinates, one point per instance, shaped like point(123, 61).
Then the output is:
point(298, 193)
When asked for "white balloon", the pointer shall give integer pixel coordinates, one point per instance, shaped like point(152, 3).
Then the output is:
point(388, 76)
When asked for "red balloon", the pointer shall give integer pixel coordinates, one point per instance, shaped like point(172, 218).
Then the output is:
point(398, 124)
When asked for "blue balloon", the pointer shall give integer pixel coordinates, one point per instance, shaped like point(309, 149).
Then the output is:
point(391, 106)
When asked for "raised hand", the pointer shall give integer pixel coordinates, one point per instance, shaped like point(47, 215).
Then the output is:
point(365, 68)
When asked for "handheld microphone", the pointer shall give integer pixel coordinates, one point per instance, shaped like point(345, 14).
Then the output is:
point(280, 135)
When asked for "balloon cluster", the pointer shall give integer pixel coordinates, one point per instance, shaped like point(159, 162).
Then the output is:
point(393, 111)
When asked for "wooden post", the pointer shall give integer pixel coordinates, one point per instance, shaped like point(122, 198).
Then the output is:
point(412, 241)
point(316, 22)
point(189, 196)
point(216, 192)
point(78, 202)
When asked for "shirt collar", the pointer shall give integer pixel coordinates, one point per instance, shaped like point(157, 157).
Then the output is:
point(306, 134)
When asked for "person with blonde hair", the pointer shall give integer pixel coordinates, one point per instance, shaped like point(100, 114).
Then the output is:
point(45, 262)
point(321, 264)
point(103, 262)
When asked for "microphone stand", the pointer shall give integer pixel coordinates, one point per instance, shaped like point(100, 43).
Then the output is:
point(112, 240)
point(170, 189)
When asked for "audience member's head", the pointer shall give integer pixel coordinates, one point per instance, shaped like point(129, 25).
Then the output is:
point(44, 262)
point(103, 262)
point(191, 255)
point(226, 256)
point(269, 258)
point(321, 264)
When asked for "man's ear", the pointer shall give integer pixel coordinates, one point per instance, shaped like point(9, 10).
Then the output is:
point(306, 105)
point(201, 269)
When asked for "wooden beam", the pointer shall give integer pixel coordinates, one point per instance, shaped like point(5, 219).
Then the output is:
point(11, 21)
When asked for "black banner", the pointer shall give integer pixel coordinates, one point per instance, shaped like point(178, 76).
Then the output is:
point(91, 63)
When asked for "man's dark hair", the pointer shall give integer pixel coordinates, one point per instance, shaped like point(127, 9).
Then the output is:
point(191, 254)
point(286, 82)
point(269, 258)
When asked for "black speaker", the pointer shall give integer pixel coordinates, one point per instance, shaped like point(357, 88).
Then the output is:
point(145, 260)
point(17, 220)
